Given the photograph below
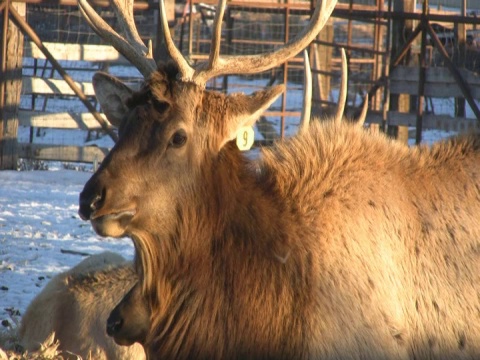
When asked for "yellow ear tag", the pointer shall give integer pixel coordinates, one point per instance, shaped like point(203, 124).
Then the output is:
point(245, 138)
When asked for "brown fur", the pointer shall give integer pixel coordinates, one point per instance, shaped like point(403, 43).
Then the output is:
point(335, 244)
point(75, 305)
point(129, 321)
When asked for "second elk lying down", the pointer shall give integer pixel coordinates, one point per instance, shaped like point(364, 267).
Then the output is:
point(334, 244)
point(75, 306)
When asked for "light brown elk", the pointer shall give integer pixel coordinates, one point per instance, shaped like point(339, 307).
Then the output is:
point(130, 320)
point(334, 244)
point(75, 305)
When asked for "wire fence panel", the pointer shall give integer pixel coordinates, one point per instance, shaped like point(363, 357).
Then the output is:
point(50, 115)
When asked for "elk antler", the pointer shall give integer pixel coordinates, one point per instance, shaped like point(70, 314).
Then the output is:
point(249, 64)
point(244, 64)
point(307, 94)
point(342, 95)
point(363, 113)
point(132, 47)
point(135, 51)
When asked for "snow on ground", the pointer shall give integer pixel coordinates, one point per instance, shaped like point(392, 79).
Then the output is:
point(39, 220)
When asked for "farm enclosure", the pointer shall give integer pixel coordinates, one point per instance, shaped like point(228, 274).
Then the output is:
point(53, 124)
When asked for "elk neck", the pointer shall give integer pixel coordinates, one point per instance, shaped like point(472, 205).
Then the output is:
point(227, 244)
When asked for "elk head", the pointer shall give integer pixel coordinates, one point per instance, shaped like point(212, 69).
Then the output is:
point(172, 127)
point(129, 321)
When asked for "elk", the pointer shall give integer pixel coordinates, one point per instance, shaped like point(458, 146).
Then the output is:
point(129, 321)
point(332, 244)
point(75, 305)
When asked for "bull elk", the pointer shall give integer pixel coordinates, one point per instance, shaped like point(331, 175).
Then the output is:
point(129, 321)
point(75, 306)
point(333, 244)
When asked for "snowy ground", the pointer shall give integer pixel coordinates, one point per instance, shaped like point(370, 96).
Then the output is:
point(38, 222)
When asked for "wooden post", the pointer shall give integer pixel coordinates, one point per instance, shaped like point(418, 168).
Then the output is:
point(461, 82)
point(228, 40)
point(377, 72)
point(401, 30)
point(459, 59)
point(322, 61)
point(20, 21)
point(422, 75)
point(285, 70)
point(386, 75)
point(11, 86)
point(190, 27)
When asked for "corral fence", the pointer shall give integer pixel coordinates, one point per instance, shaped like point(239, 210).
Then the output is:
point(419, 68)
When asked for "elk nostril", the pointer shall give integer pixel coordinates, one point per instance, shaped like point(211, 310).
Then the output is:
point(114, 327)
point(96, 203)
point(89, 203)
point(118, 325)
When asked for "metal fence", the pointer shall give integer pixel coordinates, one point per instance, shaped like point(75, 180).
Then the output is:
point(362, 28)
point(454, 4)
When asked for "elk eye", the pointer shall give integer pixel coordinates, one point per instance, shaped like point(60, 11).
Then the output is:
point(178, 139)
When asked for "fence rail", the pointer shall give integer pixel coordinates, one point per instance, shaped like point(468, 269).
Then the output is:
point(456, 4)
point(361, 27)
point(40, 86)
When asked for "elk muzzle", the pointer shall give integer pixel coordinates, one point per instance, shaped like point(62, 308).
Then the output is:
point(99, 206)
point(129, 322)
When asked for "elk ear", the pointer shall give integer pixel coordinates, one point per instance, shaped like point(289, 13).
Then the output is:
point(112, 95)
point(246, 109)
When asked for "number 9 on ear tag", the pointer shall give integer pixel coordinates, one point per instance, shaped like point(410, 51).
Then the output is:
point(245, 138)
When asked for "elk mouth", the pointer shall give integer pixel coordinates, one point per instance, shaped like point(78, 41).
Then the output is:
point(107, 219)
point(112, 224)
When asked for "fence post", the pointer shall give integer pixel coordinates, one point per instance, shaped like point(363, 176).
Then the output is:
point(401, 30)
point(460, 57)
point(11, 85)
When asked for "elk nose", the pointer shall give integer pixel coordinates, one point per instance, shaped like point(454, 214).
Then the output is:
point(88, 205)
point(114, 326)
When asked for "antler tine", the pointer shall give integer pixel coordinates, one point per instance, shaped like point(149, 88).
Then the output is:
point(363, 113)
point(217, 35)
point(249, 64)
point(342, 96)
point(185, 70)
point(307, 94)
point(135, 53)
point(124, 11)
